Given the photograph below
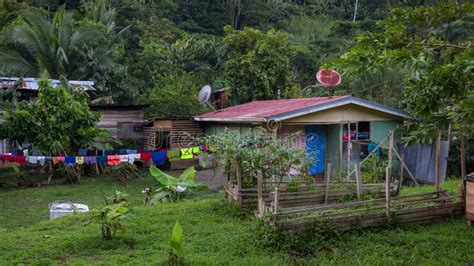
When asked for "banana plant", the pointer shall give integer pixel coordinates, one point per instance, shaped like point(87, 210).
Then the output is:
point(171, 188)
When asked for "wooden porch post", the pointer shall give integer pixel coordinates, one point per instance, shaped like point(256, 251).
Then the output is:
point(328, 178)
point(349, 148)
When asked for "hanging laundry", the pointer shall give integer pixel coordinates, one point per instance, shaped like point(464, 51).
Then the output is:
point(47, 158)
point(32, 159)
point(371, 147)
point(124, 158)
point(80, 160)
point(196, 150)
point(101, 159)
point(41, 160)
point(187, 153)
point(90, 160)
point(82, 152)
point(159, 158)
point(145, 156)
point(21, 159)
point(132, 157)
point(174, 155)
point(70, 161)
point(132, 151)
point(113, 160)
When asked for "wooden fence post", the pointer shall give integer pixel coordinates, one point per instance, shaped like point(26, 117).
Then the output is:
point(275, 201)
point(238, 173)
point(387, 190)
point(401, 171)
point(437, 154)
point(390, 149)
point(328, 178)
point(463, 161)
point(358, 181)
point(261, 204)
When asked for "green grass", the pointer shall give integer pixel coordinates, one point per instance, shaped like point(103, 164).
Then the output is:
point(212, 234)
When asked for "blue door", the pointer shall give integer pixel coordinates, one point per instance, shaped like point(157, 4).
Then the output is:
point(315, 147)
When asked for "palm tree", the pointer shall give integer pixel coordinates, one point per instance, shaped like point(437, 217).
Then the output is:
point(49, 48)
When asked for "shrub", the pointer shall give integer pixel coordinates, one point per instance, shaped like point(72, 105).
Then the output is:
point(110, 217)
point(171, 188)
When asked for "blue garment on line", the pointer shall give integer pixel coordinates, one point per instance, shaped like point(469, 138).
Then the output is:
point(371, 147)
point(82, 152)
point(70, 160)
point(159, 157)
point(101, 159)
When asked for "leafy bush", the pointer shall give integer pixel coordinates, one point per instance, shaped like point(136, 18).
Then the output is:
point(257, 152)
point(171, 188)
point(373, 171)
point(316, 237)
point(110, 217)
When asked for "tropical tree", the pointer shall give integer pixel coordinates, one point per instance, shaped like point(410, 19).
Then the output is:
point(434, 46)
point(53, 48)
point(258, 63)
point(59, 122)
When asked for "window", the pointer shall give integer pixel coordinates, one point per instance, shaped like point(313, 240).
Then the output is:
point(359, 131)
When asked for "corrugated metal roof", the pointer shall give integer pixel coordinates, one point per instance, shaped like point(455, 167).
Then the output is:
point(32, 83)
point(261, 111)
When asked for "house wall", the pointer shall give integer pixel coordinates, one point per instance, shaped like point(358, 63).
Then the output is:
point(343, 114)
point(217, 128)
point(123, 124)
point(334, 147)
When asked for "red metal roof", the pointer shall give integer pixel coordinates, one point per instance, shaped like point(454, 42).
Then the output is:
point(263, 109)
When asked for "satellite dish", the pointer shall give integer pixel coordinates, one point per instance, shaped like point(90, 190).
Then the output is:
point(204, 95)
point(328, 77)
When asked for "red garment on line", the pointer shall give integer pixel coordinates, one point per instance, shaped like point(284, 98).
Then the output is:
point(145, 156)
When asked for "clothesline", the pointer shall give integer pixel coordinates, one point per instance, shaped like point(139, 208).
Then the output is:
point(108, 157)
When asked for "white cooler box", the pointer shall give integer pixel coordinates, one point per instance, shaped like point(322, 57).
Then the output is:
point(62, 208)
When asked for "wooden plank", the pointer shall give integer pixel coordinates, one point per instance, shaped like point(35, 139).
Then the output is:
point(261, 204)
point(358, 181)
point(387, 190)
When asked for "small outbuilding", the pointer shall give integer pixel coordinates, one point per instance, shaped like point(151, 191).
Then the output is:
point(331, 126)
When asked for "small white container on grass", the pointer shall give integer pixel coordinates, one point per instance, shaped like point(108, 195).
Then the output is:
point(61, 208)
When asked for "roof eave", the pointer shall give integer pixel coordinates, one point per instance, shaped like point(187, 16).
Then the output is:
point(337, 103)
point(230, 120)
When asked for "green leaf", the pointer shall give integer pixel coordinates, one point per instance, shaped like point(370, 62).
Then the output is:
point(163, 178)
point(177, 240)
point(188, 174)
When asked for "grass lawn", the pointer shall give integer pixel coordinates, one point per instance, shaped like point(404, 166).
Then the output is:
point(212, 234)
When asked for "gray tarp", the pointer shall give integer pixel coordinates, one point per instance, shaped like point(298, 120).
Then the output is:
point(420, 159)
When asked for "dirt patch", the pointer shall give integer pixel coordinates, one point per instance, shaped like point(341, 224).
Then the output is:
point(214, 178)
